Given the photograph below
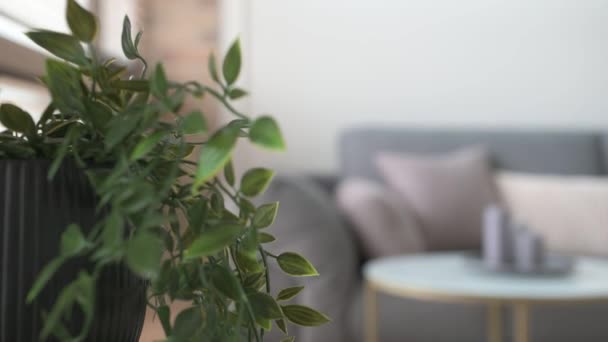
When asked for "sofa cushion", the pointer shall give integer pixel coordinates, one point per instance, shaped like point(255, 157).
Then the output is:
point(570, 212)
point(383, 222)
point(448, 193)
point(523, 151)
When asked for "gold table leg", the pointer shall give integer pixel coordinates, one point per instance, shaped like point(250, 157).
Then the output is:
point(494, 327)
point(521, 323)
point(371, 314)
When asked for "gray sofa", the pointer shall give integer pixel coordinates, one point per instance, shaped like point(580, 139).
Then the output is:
point(309, 223)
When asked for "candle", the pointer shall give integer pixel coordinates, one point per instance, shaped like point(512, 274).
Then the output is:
point(496, 237)
point(529, 251)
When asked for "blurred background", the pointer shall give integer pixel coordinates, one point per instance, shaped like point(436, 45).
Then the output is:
point(323, 66)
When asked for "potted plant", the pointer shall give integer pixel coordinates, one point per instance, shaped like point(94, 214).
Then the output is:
point(116, 194)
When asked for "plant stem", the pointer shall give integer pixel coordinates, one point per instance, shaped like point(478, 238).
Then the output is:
point(270, 254)
point(65, 123)
point(227, 104)
point(238, 270)
point(266, 275)
point(190, 162)
point(249, 309)
point(145, 68)
point(232, 196)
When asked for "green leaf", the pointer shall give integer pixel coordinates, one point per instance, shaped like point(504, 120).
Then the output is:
point(63, 302)
point(115, 72)
point(164, 315)
point(281, 324)
point(16, 119)
point(266, 133)
point(289, 293)
point(62, 151)
point(137, 39)
point(217, 202)
point(158, 82)
point(255, 181)
point(84, 289)
point(254, 280)
point(72, 241)
point(264, 306)
point(128, 48)
point(213, 69)
point(80, 291)
point(61, 45)
point(60, 332)
point(43, 278)
point(304, 316)
point(266, 324)
point(119, 128)
point(239, 123)
point(144, 252)
point(47, 114)
point(232, 63)
point(249, 243)
point(296, 265)
point(212, 241)
point(236, 93)
point(229, 173)
point(288, 339)
point(246, 207)
point(265, 238)
point(81, 22)
point(215, 154)
point(187, 323)
point(160, 284)
point(197, 212)
point(174, 101)
point(64, 85)
point(99, 113)
point(133, 85)
point(112, 235)
point(225, 282)
point(143, 197)
point(248, 262)
point(193, 123)
point(16, 150)
point(265, 215)
point(146, 145)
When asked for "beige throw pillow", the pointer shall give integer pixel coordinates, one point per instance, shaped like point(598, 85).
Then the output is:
point(448, 193)
point(382, 221)
point(570, 212)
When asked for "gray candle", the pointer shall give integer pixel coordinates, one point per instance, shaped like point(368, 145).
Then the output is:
point(496, 237)
point(529, 251)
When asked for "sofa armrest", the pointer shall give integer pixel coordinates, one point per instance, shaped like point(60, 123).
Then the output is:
point(309, 224)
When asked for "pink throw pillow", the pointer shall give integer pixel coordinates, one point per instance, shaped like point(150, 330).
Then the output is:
point(381, 220)
point(448, 193)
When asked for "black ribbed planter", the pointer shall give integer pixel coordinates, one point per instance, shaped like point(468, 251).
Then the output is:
point(33, 214)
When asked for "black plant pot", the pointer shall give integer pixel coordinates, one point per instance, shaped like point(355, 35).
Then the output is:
point(33, 214)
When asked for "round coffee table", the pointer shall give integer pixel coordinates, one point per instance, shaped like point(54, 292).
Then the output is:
point(450, 277)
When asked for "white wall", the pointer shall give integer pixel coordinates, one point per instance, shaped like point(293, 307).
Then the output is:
point(323, 65)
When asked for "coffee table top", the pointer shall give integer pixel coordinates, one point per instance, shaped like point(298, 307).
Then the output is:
point(450, 276)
